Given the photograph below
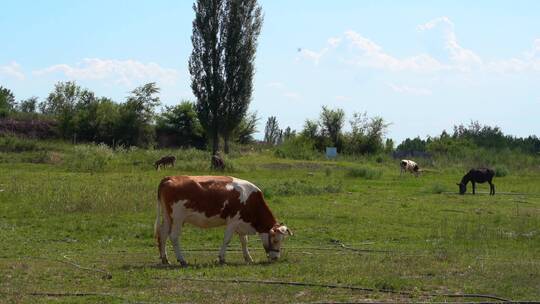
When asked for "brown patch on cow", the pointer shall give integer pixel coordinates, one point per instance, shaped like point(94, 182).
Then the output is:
point(208, 194)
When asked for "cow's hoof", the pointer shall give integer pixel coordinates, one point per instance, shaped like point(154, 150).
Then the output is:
point(164, 261)
point(221, 261)
point(183, 264)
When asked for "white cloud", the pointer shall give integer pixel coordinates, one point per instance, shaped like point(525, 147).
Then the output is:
point(528, 62)
point(404, 89)
point(461, 57)
point(372, 55)
point(12, 70)
point(334, 41)
point(123, 72)
point(432, 23)
point(313, 55)
point(366, 53)
point(282, 89)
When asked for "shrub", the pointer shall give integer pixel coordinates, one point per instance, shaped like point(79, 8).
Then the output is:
point(297, 148)
point(501, 171)
point(90, 158)
point(16, 144)
point(437, 188)
point(364, 172)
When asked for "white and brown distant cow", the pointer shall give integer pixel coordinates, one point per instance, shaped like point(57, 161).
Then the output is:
point(165, 160)
point(409, 166)
point(211, 201)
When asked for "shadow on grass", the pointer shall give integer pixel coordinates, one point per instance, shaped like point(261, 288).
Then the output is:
point(205, 265)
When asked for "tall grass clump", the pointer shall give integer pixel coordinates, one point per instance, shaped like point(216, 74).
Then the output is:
point(297, 148)
point(501, 171)
point(437, 188)
point(299, 187)
point(364, 172)
point(16, 144)
point(89, 158)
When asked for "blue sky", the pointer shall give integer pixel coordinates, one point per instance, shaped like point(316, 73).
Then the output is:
point(422, 65)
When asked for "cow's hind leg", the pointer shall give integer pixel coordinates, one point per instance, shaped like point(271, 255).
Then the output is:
point(162, 240)
point(473, 188)
point(175, 239)
point(245, 251)
point(491, 188)
point(229, 231)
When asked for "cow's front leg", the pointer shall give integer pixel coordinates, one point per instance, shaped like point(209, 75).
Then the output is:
point(245, 251)
point(473, 188)
point(229, 231)
point(175, 239)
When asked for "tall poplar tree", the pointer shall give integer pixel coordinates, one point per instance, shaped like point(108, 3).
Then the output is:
point(224, 42)
point(242, 26)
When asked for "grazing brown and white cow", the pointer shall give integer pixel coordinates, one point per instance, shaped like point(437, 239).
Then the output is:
point(165, 160)
point(409, 166)
point(211, 201)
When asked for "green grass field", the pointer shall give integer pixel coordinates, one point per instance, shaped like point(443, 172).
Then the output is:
point(80, 229)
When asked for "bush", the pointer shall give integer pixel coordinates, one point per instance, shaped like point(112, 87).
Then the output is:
point(16, 144)
point(437, 188)
point(297, 148)
point(501, 171)
point(364, 172)
point(90, 158)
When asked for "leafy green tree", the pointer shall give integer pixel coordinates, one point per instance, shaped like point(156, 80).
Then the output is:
point(389, 145)
point(63, 103)
point(367, 134)
point(415, 144)
point(331, 122)
point(206, 66)
point(271, 131)
point(288, 133)
point(7, 101)
point(107, 116)
point(28, 105)
point(181, 122)
point(311, 129)
point(241, 27)
point(248, 126)
point(136, 116)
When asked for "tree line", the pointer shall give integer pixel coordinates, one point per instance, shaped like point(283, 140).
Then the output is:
point(366, 135)
point(81, 116)
point(471, 136)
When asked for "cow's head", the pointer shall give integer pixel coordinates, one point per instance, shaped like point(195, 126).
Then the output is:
point(273, 239)
point(462, 188)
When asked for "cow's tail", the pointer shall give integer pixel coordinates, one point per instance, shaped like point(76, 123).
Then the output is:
point(158, 219)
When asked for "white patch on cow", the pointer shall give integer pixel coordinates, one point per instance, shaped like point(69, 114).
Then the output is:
point(241, 227)
point(199, 219)
point(245, 188)
point(408, 166)
point(229, 187)
point(178, 210)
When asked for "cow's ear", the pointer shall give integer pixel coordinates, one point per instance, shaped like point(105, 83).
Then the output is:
point(284, 230)
point(289, 232)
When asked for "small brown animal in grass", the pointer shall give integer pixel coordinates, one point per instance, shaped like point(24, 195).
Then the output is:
point(217, 162)
point(164, 161)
